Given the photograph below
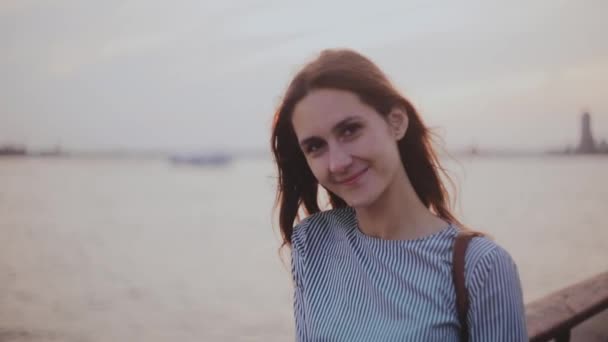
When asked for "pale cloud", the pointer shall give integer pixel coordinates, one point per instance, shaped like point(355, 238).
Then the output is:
point(65, 61)
point(127, 72)
point(16, 7)
point(122, 32)
point(145, 28)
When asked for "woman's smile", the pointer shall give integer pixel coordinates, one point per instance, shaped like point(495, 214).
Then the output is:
point(354, 179)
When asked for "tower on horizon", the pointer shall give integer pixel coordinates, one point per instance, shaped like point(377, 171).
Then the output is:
point(586, 145)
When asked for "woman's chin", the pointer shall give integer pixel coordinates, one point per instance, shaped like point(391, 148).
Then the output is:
point(361, 200)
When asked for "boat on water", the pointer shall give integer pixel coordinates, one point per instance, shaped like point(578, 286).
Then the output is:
point(12, 151)
point(201, 160)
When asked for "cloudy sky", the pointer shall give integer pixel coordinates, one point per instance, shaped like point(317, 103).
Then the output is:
point(146, 74)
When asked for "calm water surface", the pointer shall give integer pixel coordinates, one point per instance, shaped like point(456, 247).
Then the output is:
point(118, 250)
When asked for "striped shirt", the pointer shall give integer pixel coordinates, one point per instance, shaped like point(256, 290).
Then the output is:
point(353, 287)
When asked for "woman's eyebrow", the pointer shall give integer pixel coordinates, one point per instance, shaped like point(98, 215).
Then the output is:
point(337, 128)
point(309, 140)
point(340, 125)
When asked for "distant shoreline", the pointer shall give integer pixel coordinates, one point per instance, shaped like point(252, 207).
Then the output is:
point(261, 155)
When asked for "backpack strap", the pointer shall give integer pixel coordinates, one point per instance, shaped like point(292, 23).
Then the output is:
point(462, 296)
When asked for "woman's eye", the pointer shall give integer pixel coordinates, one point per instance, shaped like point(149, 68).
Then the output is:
point(314, 147)
point(350, 130)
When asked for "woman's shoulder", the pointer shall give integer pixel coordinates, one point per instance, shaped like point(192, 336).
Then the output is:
point(480, 247)
point(323, 224)
point(331, 217)
point(484, 255)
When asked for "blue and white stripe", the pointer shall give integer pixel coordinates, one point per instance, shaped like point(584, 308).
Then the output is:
point(353, 287)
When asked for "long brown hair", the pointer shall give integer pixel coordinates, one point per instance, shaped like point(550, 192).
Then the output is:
point(348, 70)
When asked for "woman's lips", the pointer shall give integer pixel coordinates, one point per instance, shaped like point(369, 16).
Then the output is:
point(352, 180)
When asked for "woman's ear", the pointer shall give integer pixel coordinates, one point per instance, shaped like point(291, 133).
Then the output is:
point(398, 122)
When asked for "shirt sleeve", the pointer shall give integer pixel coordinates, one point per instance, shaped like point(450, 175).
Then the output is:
point(497, 311)
point(297, 271)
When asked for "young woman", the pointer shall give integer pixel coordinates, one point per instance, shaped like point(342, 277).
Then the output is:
point(377, 266)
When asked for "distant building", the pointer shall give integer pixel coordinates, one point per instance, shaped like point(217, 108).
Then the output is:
point(603, 147)
point(587, 144)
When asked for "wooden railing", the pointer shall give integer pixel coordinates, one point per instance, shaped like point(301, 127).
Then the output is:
point(554, 316)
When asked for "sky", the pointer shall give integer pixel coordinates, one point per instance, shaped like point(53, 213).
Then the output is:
point(200, 75)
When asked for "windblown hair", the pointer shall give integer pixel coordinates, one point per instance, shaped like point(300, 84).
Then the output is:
point(350, 71)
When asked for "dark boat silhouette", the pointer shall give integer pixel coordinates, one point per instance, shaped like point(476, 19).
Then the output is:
point(12, 151)
point(201, 160)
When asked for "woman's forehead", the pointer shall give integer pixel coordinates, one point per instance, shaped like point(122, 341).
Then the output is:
point(324, 108)
point(326, 101)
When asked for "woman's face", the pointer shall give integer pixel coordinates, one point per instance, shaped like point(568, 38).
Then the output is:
point(350, 148)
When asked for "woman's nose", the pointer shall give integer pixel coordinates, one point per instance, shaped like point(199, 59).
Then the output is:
point(339, 160)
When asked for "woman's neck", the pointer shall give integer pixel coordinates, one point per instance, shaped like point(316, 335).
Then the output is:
point(398, 214)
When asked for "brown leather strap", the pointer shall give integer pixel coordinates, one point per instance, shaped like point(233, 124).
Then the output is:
point(462, 296)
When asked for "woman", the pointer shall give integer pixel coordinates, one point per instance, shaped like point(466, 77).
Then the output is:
point(377, 266)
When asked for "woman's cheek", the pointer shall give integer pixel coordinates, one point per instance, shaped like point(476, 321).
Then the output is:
point(320, 173)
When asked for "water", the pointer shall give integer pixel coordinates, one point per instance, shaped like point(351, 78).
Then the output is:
point(111, 250)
